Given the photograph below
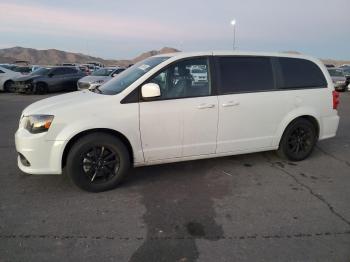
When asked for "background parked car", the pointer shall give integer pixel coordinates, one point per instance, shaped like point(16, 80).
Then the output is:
point(90, 68)
point(338, 78)
point(347, 75)
point(95, 63)
point(6, 78)
point(49, 79)
point(35, 67)
point(84, 69)
point(23, 69)
point(98, 77)
point(9, 66)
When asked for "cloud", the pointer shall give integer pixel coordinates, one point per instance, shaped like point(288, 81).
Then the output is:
point(60, 22)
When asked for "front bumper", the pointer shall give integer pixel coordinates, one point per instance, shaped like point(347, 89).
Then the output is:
point(22, 88)
point(44, 156)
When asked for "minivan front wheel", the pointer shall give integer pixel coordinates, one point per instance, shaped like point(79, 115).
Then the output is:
point(98, 162)
point(298, 140)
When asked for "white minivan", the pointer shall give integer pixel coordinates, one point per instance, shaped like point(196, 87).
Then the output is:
point(154, 113)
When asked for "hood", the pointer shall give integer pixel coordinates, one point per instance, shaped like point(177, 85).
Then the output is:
point(91, 79)
point(338, 78)
point(54, 105)
point(24, 78)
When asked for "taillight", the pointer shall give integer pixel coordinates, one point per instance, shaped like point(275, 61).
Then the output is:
point(335, 99)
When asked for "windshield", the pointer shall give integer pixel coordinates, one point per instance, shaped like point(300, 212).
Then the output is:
point(129, 76)
point(336, 72)
point(103, 72)
point(347, 71)
point(9, 67)
point(41, 71)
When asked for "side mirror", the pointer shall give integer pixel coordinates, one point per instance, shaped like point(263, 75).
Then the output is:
point(114, 75)
point(150, 90)
point(51, 75)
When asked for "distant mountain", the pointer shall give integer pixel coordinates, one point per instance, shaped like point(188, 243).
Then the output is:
point(164, 50)
point(326, 61)
point(54, 56)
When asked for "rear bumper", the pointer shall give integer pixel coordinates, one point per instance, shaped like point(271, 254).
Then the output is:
point(329, 126)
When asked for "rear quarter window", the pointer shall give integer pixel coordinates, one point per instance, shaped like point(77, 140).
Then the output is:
point(300, 73)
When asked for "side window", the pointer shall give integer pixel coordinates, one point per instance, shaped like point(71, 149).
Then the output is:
point(245, 74)
point(58, 71)
point(188, 78)
point(69, 70)
point(300, 73)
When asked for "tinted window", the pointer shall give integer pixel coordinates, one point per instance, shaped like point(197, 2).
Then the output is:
point(245, 74)
point(42, 71)
point(59, 71)
point(189, 78)
point(103, 72)
point(69, 70)
point(300, 73)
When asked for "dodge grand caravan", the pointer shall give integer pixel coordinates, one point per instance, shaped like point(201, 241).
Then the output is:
point(155, 112)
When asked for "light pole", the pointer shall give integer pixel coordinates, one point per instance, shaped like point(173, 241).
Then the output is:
point(233, 23)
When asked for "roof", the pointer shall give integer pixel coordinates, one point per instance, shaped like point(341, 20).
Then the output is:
point(234, 53)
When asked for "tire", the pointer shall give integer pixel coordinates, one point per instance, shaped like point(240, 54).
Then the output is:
point(8, 86)
point(98, 162)
point(298, 140)
point(41, 88)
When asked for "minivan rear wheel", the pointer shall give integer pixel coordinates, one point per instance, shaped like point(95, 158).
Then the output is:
point(298, 140)
point(98, 162)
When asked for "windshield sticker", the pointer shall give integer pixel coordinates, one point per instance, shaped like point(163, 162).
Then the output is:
point(144, 67)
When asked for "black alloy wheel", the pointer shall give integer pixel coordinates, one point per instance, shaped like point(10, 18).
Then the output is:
point(100, 164)
point(298, 140)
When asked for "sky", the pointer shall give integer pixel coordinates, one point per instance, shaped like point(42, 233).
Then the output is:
point(123, 29)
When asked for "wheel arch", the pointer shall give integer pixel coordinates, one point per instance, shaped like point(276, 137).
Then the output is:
point(5, 82)
point(112, 132)
point(313, 118)
point(41, 82)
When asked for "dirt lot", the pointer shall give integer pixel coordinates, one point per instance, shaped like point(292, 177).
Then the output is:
point(253, 207)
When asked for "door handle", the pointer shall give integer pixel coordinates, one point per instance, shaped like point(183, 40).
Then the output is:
point(205, 106)
point(231, 103)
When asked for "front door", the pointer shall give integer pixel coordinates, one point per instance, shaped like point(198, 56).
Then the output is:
point(183, 120)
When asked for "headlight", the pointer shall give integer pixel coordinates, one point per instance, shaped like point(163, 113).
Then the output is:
point(37, 123)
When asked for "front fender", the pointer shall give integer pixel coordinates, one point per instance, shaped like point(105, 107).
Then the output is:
point(67, 132)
